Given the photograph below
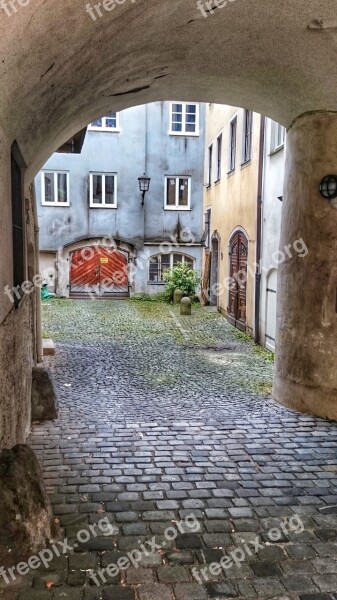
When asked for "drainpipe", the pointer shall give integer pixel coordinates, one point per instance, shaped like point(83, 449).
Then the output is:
point(259, 231)
point(38, 329)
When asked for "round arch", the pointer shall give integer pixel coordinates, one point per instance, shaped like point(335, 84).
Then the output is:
point(73, 62)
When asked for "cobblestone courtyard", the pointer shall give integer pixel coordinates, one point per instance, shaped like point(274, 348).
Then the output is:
point(161, 417)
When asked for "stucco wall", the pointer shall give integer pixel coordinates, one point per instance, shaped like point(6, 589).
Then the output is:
point(273, 180)
point(17, 326)
point(143, 144)
point(233, 199)
point(16, 360)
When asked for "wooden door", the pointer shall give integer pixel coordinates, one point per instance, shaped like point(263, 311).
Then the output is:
point(99, 270)
point(238, 254)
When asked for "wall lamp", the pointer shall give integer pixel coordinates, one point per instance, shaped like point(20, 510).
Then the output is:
point(328, 189)
point(144, 186)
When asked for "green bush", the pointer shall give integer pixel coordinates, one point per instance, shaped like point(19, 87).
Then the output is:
point(181, 277)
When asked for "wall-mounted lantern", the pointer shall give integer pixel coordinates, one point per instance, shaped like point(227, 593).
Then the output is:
point(328, 189)
point(144, 186)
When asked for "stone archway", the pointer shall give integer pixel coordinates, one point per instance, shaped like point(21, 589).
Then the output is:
point(62, 68)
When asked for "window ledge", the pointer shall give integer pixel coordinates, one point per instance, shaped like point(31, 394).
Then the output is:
point(181, 134)
point(276, 150)
point(246, 163)
point(177, 208)
point(102, 130)
point(230, 173)
point(217, 181)
point(55, 204)
point(156, 283)
point(103, 206)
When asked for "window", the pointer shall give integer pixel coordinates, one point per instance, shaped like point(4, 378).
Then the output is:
point(163, 262)
point(207, 231)
point(184, 119)
point(232, 144)
point(108, 123)
point(54, 188)
point(247, 135)
point(219, 156)
point(277, 136)
point(210, 160)
point(103, 190)
point(18, 231)
point(177, 193)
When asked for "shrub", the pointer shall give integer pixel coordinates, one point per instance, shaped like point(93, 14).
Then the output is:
point(181, 277)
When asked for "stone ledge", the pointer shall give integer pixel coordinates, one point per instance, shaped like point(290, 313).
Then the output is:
point(48, 347)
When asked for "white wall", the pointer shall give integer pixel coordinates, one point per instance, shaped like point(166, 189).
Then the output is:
point(273, 179)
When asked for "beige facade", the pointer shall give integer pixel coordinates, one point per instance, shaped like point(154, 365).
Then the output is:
point(230, 207)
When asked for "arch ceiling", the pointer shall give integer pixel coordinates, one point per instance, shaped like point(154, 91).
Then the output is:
point(60, 68)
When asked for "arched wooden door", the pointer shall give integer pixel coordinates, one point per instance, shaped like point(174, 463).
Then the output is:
point(99, 271)
point(238, 254)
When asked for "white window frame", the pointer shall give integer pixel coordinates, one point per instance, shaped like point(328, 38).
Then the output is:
point(232, 167)
point(104, 127)
point(277, 132)
point(210, 165)
point(43, 188)
point(219, 145)
point(247, 136)
point(104, 174)
point(176, 206)
point(161, 282)
point(183, 131)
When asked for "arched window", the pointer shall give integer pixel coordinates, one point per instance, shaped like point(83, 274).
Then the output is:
point(160, 263)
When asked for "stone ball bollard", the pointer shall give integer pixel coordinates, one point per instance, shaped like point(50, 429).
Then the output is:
point(185, 306)
point(177, 296)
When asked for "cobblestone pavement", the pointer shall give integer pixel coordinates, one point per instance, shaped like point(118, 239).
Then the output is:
point(163, 417)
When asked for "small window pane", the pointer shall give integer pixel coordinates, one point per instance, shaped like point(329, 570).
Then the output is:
point(97, 123)
point(177, 108)
point(111, 120)
point(154, 269)
point(165, 264)
point(191, 108)
point(62, 191)
point(97, 189)
point(189, 262)
point(183, 192)
point(109, 189)
point(171, 191)
point(49, 187)
point(177, 258)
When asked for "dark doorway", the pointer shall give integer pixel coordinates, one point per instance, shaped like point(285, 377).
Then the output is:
point(214, 277)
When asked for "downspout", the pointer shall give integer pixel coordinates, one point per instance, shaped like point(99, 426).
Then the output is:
point(38, 332)
point(259, 231)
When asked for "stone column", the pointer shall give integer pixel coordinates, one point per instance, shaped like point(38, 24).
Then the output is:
point(306, 351)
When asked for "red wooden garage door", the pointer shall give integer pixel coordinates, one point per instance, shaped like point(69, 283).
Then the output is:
point(99, 270)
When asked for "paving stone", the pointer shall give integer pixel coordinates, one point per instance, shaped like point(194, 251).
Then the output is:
point(266, 568)
point(189, 591)
point(183, 557)
point(68, 594)
point(161, 450)
point(298, 583)
point(171, 575)
point(326, 582)
point(188, 541)
point(136, 576)
point(220, 590)
point(154, 592)
point(118, 593)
